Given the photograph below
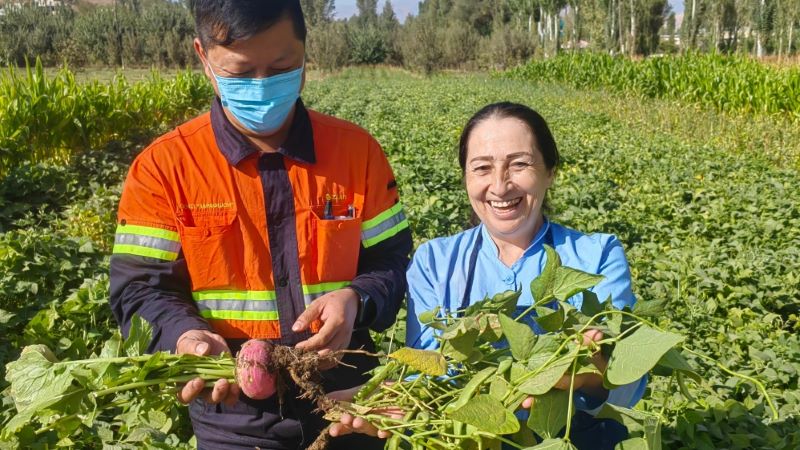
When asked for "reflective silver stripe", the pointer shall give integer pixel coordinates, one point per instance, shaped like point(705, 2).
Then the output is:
point(237, 305)
point(308, 298)
point(387, 224)
point(147, 241)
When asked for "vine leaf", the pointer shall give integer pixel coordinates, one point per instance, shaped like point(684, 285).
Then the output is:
point(549, 413)
point(553, 444)
point(569, 281)
point(636, 354)
point(486, 413)
point(521, 338)
point(542, 286)
point(546, 379)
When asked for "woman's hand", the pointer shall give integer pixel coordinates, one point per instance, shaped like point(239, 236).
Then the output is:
point(350, 424)
point(589, 383)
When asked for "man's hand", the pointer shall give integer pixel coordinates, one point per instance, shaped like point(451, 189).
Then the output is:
point(349, 424)
point(337, 310)
point(203, 343)
point(590, 383)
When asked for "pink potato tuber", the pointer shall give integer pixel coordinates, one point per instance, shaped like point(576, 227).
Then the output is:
point(252, 369)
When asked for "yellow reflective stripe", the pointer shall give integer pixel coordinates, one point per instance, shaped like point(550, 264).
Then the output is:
point(386, 234)
point(233, 295)
point(239, 315)
point(371, 223)
point(148, 231)
point(324, 287)
point(144, 251)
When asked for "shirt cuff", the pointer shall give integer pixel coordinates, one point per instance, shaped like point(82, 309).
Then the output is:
point(168, 339)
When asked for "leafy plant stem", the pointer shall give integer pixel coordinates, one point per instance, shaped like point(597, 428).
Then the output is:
point(760, 386)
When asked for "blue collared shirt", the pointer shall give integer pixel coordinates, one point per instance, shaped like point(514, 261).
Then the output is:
point(438, 274)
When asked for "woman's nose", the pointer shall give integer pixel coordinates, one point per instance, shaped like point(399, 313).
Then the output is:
point(501, 181)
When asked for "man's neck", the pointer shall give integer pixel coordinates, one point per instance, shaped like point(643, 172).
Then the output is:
point(271, 143)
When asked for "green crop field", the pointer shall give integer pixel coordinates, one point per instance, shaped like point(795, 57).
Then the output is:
point(705, 202)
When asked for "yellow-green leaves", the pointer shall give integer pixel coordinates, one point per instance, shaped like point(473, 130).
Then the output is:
point(427, 362)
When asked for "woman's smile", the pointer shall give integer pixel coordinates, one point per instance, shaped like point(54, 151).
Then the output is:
point(504, 208)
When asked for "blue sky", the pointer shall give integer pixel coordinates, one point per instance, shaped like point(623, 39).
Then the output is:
point(346, 8)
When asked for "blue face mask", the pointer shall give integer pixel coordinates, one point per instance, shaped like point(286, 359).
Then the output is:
point(261, 104)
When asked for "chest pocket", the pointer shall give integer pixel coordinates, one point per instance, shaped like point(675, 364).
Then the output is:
point(213, 245)
point(336, 245)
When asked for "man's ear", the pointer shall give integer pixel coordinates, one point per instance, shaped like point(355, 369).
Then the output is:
point(201, 53)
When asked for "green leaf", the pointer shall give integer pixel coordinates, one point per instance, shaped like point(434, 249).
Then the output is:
point(542, 286)
point(460, 327)
point(547, 378)
point(524, 437)
point(504, 302)
point(487, 414)
point(5, 316)
point(637, 353)
point(549, 413)
point(426, 361)
point(546, 344)
point(430, 318)
point(472, 386)
point(499, 388)
point(614, 323)
point(35, 376)
point(650, 308)
point(632, 444)
point(461, 347)
point(520, 337)
point(553, 444)
point(139, 337)
point(674, 360)
point(569, 281)
point(591, 305)
point(633, 419)
point(549, 319)
point(491, 330)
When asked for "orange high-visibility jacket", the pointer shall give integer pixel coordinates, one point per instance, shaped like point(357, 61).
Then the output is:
point(212, 232)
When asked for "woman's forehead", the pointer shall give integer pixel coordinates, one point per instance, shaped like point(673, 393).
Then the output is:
point(501, 138)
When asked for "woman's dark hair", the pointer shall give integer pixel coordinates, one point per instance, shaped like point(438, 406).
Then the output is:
point(542, 137)
point(541, 132)
point(222, 22)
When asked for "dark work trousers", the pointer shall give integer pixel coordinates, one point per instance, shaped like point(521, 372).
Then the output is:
point(588, 433)
point(265, 424)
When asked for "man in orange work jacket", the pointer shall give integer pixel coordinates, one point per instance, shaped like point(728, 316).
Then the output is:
point(260, 219)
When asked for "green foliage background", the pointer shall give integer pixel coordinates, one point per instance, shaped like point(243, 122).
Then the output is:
point(710, 226)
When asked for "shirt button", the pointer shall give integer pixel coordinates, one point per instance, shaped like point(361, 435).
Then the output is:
point(283, 282)
point(508, 280)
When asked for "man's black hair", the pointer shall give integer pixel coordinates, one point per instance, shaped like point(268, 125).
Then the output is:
point(222, 22)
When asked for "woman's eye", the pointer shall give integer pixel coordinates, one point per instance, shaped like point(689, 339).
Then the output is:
point(481, 169)
point(521, 164)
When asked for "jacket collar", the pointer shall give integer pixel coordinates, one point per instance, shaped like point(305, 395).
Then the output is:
point(299, 144)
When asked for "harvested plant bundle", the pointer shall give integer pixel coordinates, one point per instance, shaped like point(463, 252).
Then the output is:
point(466, 395)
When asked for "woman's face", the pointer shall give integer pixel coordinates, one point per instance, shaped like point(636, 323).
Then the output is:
point(506, 179)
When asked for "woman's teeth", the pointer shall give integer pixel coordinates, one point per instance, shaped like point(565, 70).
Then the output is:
point(508, 204)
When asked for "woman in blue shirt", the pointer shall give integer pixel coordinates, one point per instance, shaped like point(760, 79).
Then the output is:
point(508, 158)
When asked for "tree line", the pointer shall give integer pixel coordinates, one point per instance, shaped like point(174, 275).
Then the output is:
point(465, 34)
